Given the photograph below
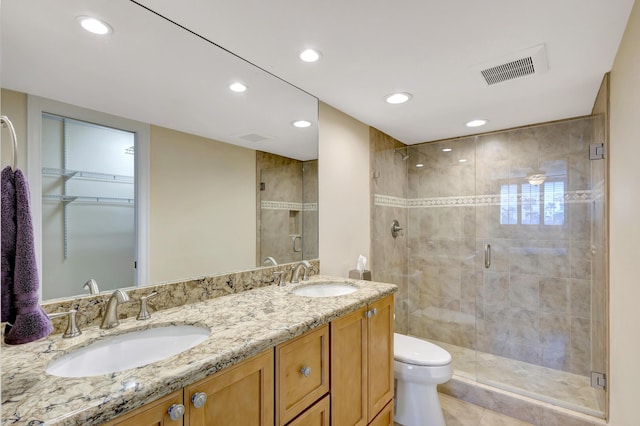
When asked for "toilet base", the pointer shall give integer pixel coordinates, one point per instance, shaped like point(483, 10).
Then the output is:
point(417, 405)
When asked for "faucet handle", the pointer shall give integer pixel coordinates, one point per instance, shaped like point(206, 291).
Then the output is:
point(279, 277)
point(144, 312)
point(72, 326)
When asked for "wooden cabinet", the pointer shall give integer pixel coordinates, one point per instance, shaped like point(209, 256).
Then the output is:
point(153, 414)
point(317, 415)
point(302, 373)
point(362, 364)
point(339, 374)
point(238, 395)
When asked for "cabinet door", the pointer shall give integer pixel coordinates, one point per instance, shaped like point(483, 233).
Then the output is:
point(349, 369)
point(302, 373)
point(385, 418)
point(238, 395)
point(153, 414)
point(380, 355)
point(317, 415)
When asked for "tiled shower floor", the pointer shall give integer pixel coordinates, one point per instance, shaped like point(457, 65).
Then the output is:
point(560, 388)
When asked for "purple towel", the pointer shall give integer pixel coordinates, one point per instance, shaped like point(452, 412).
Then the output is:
point(31, 322)
point(8, 218)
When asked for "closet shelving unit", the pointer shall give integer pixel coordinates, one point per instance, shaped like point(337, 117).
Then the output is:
point(67, 199)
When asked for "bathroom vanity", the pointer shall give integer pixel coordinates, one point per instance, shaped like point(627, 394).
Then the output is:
point(273, 357)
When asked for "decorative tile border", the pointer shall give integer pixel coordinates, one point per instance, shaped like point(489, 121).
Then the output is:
point(284, 205)
point(471, 200)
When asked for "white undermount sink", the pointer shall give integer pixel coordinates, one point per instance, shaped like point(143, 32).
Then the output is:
point(325, 289)
point(129, 350)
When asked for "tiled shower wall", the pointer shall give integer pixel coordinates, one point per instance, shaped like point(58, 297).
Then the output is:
point(534, 302)
point(287, 208)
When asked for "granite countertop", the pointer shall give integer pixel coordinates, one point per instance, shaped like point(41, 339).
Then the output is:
point(242, 325)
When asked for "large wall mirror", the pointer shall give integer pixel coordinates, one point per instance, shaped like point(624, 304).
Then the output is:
point(208, 180)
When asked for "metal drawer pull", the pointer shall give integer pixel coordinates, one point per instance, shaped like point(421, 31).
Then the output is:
point(306, 371)
point(176, 411)
point(199, 399)
point(371, 313)
point(487, 256)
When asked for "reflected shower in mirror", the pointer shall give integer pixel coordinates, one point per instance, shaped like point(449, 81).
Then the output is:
point(200, 212)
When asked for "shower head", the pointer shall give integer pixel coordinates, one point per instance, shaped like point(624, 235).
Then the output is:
point(403, 155)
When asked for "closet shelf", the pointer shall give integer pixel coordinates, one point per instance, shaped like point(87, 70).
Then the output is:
point(68, 174)
point(85, 199)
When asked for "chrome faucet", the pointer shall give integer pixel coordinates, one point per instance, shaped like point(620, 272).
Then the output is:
point(296, 271)
point(110, 318)
point(92, 286)
point(269, 260)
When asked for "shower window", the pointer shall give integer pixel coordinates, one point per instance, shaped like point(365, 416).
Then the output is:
point(531, 203)
point(554, 203)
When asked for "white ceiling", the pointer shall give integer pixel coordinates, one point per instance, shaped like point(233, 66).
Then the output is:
point(155, 72)
point(430, 48)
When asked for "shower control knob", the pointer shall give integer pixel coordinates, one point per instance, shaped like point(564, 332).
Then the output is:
point(198, 399)
point(176, 411)
point(306, 371)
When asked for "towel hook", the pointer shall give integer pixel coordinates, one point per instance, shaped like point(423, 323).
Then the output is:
point(4, 120)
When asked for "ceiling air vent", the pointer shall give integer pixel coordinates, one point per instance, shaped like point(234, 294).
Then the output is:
point(529, 62)
point(254, 137)
point(509, 71)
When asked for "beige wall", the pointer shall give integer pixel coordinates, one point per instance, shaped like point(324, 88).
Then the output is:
point(14, 106)
point(343, 157)
point(202, 206)
point(624, 278)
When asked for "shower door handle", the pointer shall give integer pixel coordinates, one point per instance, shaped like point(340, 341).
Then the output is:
point(487, 256)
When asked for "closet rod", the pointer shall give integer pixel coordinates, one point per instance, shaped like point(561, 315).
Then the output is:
point(8, 124)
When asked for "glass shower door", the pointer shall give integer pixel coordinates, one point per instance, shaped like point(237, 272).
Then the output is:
point(534, 243)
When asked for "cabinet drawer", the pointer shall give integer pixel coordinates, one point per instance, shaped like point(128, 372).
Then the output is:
point(317, 415)
point(302, 373)
point(385, 417)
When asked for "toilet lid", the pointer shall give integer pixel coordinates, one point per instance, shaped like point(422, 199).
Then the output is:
point(414, 351)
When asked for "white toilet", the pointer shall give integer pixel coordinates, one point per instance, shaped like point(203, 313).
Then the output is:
point(419, 366)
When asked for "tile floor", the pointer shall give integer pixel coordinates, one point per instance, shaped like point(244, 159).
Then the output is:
point(460, 413)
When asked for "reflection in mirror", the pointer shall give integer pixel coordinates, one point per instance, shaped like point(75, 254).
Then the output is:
point(88, 216)
point(288, 217)
point(204, 139)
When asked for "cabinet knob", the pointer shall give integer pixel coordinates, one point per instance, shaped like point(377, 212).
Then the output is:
point(176, 411)
point(306, 371)
point(367, 314)
point(198, 399)
point(374, 311)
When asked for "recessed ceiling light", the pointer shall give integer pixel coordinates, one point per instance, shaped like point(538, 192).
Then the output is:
point(397, 98)
point(419, 165)
point(477, 123)
point(238, 87)
point(446, 150)
point(94, 25)
point(463, 160)
point(301, 123)
point(310, 55)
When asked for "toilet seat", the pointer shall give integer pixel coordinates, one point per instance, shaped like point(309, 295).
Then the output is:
point(414, 351)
